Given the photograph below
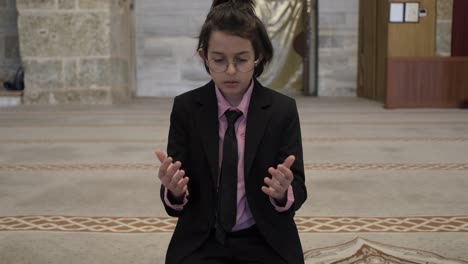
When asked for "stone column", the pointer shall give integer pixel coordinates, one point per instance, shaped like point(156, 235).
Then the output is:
point(444, 27)
point(75, 51)
point(338, 47)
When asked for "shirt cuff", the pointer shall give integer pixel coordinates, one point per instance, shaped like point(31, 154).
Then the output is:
point(289, 201)
point(177, 207)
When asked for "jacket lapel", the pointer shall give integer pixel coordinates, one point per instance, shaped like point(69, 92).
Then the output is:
point(257, 120)
point(207, 123)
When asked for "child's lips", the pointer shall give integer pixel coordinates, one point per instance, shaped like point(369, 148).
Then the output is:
point(231, 84)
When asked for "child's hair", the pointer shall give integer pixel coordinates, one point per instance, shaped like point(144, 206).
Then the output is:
point(237, 17)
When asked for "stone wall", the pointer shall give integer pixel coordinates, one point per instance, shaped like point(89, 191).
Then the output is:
point(73, 51)
point(166, 43)
point(82, 51)
point(444, 27)
point(338, 44)
point(9, 51)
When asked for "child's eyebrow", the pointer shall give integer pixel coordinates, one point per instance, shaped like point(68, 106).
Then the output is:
point(220, 53)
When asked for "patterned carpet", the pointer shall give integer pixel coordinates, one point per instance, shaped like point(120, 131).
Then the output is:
point(78, 184)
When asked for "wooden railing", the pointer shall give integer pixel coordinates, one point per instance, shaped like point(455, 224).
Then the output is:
point(427, 82)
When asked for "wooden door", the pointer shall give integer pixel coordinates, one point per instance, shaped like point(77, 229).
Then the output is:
point(414, 39)
point(367, 49)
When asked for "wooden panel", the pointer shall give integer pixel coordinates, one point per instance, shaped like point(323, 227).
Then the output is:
point(414, 39)
point(460, 28)
point(427, 82)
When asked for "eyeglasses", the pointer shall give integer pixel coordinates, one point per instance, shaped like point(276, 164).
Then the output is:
point(241, 65)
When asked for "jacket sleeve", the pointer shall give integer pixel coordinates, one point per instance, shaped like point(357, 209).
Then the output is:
point(177, 149)
point(292, 145)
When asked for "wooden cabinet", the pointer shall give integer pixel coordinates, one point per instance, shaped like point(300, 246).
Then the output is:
point(396, 60)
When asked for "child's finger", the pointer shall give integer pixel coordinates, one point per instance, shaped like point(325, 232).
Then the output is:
point(274, 173)
point(163, 169)
point(271, 192)
point(182, 185)
point(274, 184)
point(289, 161)
point(288, 175)
point(161, 156)
point(173, 169)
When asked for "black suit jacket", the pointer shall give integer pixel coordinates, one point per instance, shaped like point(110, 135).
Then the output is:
point(272, 134)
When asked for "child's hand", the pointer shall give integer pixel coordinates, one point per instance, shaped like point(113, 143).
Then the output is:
point(171, 176)
point(280, 181)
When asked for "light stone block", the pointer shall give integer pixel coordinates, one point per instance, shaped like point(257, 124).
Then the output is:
point(70, 78)
point(35, 4)
point(338, 5)
point(352, 20)
point(64, 35)
point(331, 41)
point(194, 72)
point(95, 72)
point(336, 89)
point(332, 19)
point(43, 74)
point(101, 96)
point(444, 9)
point(96, 4)
point(350, 41)
point(66, 4)
point(164, 18)
point(444, 38)
point(119, 72)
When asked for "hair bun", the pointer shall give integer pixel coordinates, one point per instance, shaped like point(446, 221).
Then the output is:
point(251, 3)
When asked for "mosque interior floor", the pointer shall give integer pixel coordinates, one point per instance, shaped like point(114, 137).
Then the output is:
point(78, 184)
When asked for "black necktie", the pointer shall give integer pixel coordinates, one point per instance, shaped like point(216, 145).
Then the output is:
point(227, 204)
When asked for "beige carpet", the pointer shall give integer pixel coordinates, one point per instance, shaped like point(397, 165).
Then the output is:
point(78, 183)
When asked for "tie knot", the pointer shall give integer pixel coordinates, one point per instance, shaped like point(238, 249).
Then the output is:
point(232, 116)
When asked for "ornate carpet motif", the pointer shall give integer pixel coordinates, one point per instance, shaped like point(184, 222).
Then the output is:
point(308, 166)
point(167, 224)
point(362, 251)
point(386, 166)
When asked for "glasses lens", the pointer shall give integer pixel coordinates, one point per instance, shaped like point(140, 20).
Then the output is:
point(242, 65)
point(218, 65)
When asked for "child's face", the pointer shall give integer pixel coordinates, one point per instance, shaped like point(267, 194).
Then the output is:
point(226, 48)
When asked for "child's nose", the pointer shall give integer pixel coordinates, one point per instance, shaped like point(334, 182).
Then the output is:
point(231, 68)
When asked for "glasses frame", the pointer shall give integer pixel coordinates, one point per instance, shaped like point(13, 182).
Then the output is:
point(255, 62)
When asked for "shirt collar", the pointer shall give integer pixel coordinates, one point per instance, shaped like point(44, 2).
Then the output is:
point(224, 105)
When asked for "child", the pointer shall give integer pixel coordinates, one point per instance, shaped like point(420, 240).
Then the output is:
point(234, 174)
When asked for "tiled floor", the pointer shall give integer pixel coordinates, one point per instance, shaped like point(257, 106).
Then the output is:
point(78, 183)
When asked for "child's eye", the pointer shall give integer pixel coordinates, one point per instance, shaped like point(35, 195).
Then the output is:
point(220, 61)
point(242, 60)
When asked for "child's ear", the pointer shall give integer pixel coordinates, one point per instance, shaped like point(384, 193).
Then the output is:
point(201, 53)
